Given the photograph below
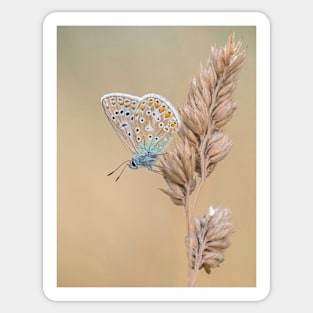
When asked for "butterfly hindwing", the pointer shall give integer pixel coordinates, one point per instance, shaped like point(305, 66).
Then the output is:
point(156, 121)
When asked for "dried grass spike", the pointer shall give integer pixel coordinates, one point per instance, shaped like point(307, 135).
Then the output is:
point(177, 168)
point(211, 233)
point(201, 145)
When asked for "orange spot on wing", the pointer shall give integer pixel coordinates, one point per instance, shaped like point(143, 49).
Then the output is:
point(161, 109)
point(168, 114)
point(142, 107)
point(173, 124)
point(157, 104)
point(150, 102)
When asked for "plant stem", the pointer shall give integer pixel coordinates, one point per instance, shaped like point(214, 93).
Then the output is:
point(203, 171)
point(189, 230)
point(190, 212)
point(203, 147)
point(194, 276)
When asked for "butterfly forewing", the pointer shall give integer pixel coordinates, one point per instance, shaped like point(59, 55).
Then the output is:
point(120, 111)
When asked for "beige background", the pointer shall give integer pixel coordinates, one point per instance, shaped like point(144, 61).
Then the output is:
point(129, 233)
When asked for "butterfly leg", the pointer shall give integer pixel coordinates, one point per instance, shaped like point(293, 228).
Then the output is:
point(154, 171)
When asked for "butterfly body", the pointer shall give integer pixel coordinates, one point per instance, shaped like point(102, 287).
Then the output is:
point(144, 160)
point(145, 125)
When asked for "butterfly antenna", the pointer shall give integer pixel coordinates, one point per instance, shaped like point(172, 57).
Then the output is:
point(117, 168)
point(118, 177)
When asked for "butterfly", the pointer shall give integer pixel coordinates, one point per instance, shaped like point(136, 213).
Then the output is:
point(145, 126)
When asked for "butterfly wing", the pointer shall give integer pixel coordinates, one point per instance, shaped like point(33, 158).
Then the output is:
point(120, 111)
point(156, 122)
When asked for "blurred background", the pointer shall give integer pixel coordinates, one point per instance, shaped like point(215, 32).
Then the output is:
point(128, 233)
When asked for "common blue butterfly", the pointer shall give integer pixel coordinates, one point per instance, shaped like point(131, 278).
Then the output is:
point(145, 125)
